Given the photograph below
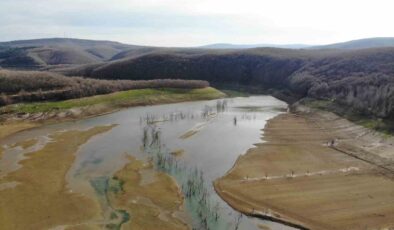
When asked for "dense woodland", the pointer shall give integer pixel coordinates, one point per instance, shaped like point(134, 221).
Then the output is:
point(359, 79)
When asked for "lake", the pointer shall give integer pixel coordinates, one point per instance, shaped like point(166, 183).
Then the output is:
point(204, 137)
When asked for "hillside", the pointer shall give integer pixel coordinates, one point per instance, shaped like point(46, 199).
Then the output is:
point(67, 52)
point(360, 44)
point(354, 44)
point(82, 43)
point(250, 46)
point(40, 53)
point(362, 80)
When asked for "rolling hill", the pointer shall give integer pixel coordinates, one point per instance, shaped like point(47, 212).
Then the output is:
point(359, 80)
point(250, 46)
point(64, 52)
point(40, 53)
point(354, 44)
point(360, 44)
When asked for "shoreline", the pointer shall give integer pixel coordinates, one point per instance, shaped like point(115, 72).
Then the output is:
point(42, 177)
point(233, 201)
point(273, 216)
point(15, 122)
point(246, 173)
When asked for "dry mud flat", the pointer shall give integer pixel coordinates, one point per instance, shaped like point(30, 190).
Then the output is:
point(40, 199)
point(297, 177)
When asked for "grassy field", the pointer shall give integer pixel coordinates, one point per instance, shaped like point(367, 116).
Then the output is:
point(119, 99)
point(297, 177)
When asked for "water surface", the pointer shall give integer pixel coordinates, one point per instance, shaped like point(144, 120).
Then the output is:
point(211, 134)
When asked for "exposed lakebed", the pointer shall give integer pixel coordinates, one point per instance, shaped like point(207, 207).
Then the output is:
point(194, 142)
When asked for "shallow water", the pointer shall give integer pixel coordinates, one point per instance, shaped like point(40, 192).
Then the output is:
point(211, 135)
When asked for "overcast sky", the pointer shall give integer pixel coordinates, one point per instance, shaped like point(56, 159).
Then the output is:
point(198, 22)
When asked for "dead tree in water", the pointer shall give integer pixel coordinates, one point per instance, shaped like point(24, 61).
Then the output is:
point(221, 106)
point(238, 221)
point(145, 137)
point(192, 180)
point(155, 135)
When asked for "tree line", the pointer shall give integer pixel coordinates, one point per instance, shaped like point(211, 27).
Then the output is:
point(29, 86)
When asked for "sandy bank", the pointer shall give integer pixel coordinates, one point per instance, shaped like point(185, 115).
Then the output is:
point(10, 128)
point(300, 176)
point(40, 199)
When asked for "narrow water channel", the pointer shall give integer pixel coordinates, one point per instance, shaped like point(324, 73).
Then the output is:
point(209, 135)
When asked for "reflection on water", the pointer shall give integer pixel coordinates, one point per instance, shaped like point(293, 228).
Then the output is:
point(210, 134)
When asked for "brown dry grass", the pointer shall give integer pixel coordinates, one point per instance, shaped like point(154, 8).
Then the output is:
point(150, 205)
point(41, 199)
point(297, 178)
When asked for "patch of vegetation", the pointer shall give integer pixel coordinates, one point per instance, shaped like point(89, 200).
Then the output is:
point(318, 104)
point(385, 126)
